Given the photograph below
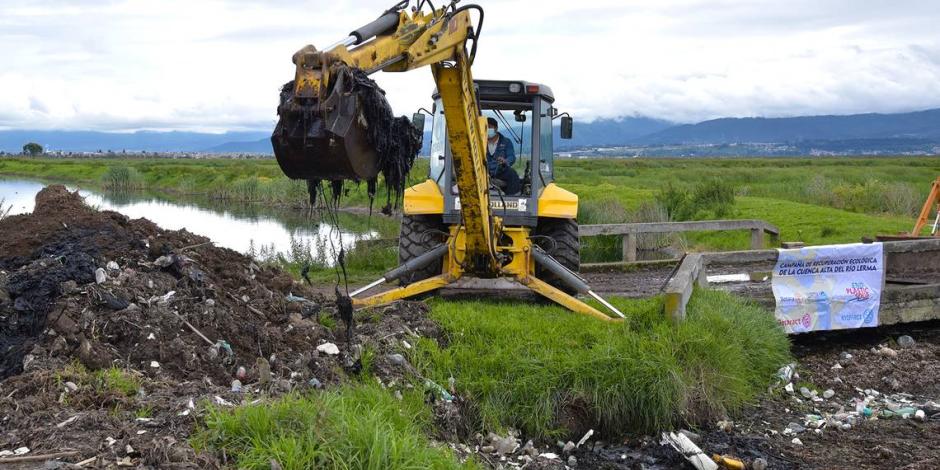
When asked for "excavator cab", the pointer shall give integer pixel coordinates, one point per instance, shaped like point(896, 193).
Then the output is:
point(526, 115)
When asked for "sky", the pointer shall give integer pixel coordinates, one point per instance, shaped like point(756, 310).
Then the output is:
point(216, 65)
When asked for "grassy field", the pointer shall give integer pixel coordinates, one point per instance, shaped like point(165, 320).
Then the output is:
point(815, 200)
point(359, 426)
point(550, 373)
point(545, 371)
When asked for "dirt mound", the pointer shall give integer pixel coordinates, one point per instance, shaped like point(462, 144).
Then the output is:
point(120, 330)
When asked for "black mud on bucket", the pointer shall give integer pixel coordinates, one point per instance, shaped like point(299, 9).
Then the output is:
point(351, 135)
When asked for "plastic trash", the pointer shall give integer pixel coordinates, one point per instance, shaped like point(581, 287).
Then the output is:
point(441, 391)
point(728, 462)
point(785, 373)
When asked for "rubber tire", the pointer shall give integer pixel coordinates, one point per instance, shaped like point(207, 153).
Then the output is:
point(412, 242)
point(566, 249)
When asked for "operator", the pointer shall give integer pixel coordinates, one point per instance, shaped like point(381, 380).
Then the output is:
point(500, 155)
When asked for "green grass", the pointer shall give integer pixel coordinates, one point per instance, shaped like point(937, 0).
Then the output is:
point(244, 180)
point(360, 426)
point(545, 370)
point(834, 199)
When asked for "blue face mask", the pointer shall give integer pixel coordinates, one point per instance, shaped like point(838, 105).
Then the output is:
point(490, 132)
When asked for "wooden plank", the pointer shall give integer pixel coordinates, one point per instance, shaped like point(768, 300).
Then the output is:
point(757, 239)
point(629, 247)
point(679, 289)
point(671, 227)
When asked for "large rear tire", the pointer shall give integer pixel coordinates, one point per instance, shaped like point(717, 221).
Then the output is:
point(564, 245)
point(418, 236)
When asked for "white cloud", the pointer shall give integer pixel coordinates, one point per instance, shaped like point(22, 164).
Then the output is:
point(217, 65)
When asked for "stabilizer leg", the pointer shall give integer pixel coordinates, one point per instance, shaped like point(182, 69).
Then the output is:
point(547, 290)
point(411, 290)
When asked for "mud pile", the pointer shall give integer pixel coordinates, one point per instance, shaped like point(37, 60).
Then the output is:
point(114, 334)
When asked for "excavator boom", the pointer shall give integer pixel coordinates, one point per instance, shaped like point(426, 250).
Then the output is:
point(336, 125)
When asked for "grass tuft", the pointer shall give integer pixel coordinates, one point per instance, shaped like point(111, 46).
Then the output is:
point(552, 373)
point(357, 427)
point(122, 178)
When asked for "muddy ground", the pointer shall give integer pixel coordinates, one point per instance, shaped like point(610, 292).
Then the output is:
point(82, 292)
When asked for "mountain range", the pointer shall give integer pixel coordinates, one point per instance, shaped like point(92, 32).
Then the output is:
point(913, 132)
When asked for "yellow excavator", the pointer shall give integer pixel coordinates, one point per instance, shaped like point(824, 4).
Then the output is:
point(458, 227)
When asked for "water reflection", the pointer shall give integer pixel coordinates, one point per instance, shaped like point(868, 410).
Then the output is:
point(246, 228)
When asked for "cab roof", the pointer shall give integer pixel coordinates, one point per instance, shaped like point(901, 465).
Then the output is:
point(508, 94)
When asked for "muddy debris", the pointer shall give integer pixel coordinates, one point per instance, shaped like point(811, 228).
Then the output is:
point(120, 369)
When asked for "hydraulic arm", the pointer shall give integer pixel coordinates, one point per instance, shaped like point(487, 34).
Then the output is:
point(328, 131)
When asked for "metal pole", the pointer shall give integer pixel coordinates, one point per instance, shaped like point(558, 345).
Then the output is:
point(345, 42)
point(606, 303)
point(365, 288)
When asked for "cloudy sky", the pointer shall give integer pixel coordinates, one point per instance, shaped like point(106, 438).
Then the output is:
point(215, 65)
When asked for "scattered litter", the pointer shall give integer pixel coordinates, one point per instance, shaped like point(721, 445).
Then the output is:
point(887, 352)
point(572, 461)
point(549, 456)
point(236, 386)
point(690, 451)
point(154, 365)
point(396, 359)
point(221, 401)
point(241, 373)
point(67, 422)
point(21, 451)
point(797, 441)
point(829, 393)
point(70, 386)
point(328, 348)
point(113, 266)
point(905, 342)
point(759, 464)
point(504, 445)
point(586, 436)
point(728, 462)
point(100, 276)
point(691, 435)
point(444, 394)
point(569, 446)
point(785, 373)
point(315, 383)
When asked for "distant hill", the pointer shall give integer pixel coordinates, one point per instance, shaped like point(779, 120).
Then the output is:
point(610, 132)
point(921, 125)
point(262, 146)
point(142, 141)
point(915, 132)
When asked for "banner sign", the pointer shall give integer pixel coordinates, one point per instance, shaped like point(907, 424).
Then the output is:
point(829, 287)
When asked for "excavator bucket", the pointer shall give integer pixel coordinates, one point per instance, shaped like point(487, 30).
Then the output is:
point(351, 134)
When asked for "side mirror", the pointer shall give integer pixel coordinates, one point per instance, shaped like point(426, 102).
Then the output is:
point(417, 120)
point(520, 117)
point(567, 127)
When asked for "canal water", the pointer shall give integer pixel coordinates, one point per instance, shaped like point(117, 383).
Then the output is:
point(256, 230)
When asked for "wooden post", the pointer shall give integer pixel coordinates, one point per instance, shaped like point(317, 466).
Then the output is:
point(629, 248)
point(679, 287)
point(757, 239)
